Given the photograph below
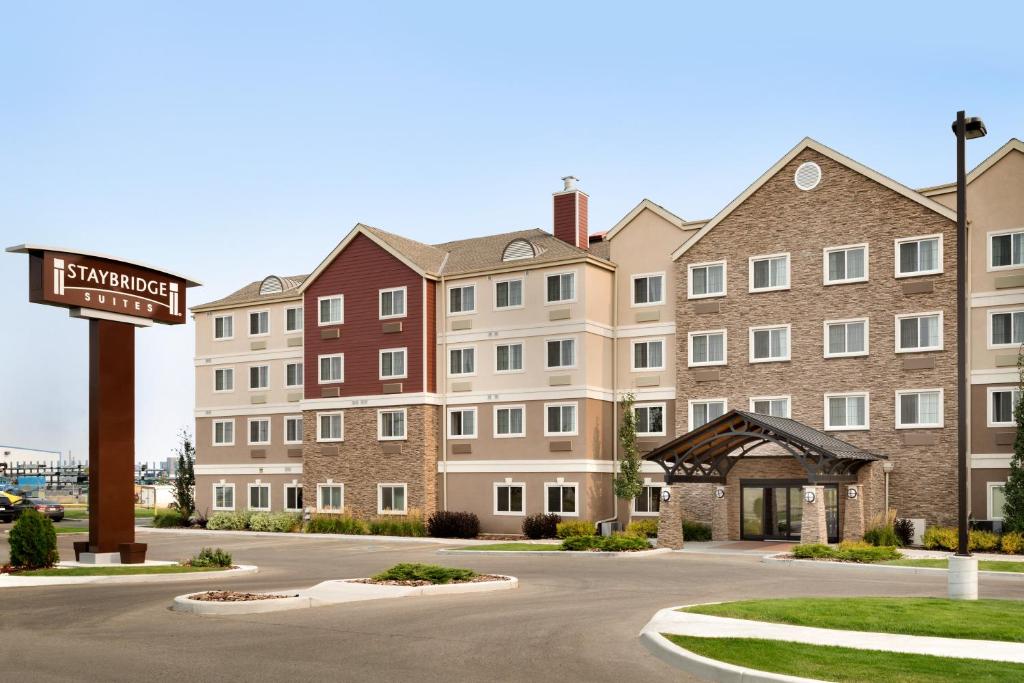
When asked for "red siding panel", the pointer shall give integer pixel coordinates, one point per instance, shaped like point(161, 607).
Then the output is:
point(431, 288)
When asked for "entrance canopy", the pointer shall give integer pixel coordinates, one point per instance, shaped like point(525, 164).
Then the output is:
point(707, 453)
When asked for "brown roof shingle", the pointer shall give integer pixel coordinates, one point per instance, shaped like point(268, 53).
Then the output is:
point(251, 293)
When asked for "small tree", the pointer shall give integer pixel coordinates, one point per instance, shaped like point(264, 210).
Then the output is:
point(33, 541)
point(185, 481)
point(1013, 508)
point(628, 483)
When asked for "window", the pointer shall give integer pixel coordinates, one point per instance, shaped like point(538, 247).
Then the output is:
point(559, 419)
point(996, 499)
point(330, 497)
point(462, 423)
point(706, 280)
point(846, 411)
point(332, 368)
point(508, 357)
point(392, 303)
point(919, 332)
point(293, 429)
point(224, 379)
point(509, 421)
point(259, 323)
point(649, 355)
point(1001, 404)
point(330, 427)
point(650, 419)
point(293, 496)
point(768, 273)
point(259, 496)
point(561, 353)
point(462, 361)
point(707, 348)
point(223, 327)
point(293, 374)
point(1006, 250)
point(919, 256)
point(509, 499)
point(702, 412)
point(462, 299)
point(777, 406)
point(560, 499)
point(259, 377)
point(846, 264)
point(223, 496)
point(919, 409)
point(293, 319)
point(846, 338)
point(223, 432)
point(560, 287)
point(649, 501)
point(259, 431)
point(508, 294)
point(648, 289)
point(332, 310)
point(391, 424)
point(392, 364)
point(768, 344)
point(1006, 328)
point(391, 499)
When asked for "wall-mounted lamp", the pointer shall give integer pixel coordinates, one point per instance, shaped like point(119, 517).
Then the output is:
point(719, 492)
point(809, 496)
point(666, 495)
point(851, 493)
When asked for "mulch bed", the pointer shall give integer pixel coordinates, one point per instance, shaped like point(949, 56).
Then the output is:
point(413, 584)
point(234, 596)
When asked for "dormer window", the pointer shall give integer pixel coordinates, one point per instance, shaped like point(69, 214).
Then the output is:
point(518, 249)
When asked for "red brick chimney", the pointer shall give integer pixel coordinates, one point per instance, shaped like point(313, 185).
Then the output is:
point(570, 224)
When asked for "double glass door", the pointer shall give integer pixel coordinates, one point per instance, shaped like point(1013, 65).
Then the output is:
point(774, 510)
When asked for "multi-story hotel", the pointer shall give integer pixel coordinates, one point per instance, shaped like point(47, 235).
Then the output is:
point(483, 374)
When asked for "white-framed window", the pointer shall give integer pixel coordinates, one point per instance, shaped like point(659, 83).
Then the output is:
point(648, 354)
point(259, 323)
point(995, 499)
point(509, 498)
point(560, 353)
point(648, 503)
point(560, 288)
point(847, 411)
point(293, 497)
point(330, 426)
point(462, 423)
point(648, 289)
point(508, 357)
point(391, 499)
point(650, 419)
point(509, 421)
point(1005, 329)
point(1005, 249)
point(259, 497)
point(293, 374)
point(919, 409)
point(844, 338)
point(1001, 403)
point(392, 302)
point(560, 419)
point(259, 377)
point(705, 280)
point(708, 347)
point(391, 424)
point(705, 410)
point(331, 310)
point(259, 431)
point(224, 432)
point(292, 429)
point(919, 332)
point(846, 264)
point(769, 272)
point(392, 364)
point(462, 299)
point(508, 294)
point(332, 368)
point(776, 406)
point(223, 380)
point(918, 255)
point(223, 327)
point(223, 496)
point(769, 344)
point(293, 319)
point(462, 361)
point(561, 498)
point(330, 497)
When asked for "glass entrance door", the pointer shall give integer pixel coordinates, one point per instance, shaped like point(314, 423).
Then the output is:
point(774, 510)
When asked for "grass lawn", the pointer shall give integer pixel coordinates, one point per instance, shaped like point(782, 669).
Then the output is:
point(71, 529)
point(942, 563)
point(83, 512)
point(829, 663)
point(515, 546)
point(118, 571)
point(983, 619)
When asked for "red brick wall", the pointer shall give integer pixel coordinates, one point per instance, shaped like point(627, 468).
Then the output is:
point(565, 227)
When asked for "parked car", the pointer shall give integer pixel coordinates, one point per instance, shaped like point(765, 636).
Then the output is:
point(12, 505)
point(50, 508)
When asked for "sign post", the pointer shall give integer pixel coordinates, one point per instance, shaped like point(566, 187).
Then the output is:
point(115, 296)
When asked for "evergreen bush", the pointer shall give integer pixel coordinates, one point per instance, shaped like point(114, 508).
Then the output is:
point(644, 528)
point(33, 541)
point(541, 525)
point(575, 527)
point(209, 557)
point(450, 524)
point(696, 531)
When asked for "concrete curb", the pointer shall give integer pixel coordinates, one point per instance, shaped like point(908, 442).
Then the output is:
point(780, 559)
point(709, 669)
point(558, 553)
point(9, 581)
point(317, 537)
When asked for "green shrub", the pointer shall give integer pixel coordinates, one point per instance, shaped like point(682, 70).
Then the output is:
point(336, 524)
point(904, 529)
point(940, 538)
point(644, 528)
point(982, 541)
point(209, 557)
point(33, 541)
point(232, 521)
point(411, 525)
point(541, 525)
point(696, 531)
point(617, 543)
point(1012, 543)
point(814, 551)
point(883, 535)
point(168, 518)
point(853, 551)
point(451, 524)
point(281, 522)
point(425, 572)
point(582, 543)
point(575, 527)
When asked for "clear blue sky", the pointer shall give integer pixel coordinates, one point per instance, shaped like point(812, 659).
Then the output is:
point(230, 140)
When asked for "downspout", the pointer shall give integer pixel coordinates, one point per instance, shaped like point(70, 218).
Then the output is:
point(615, 393)
point(442, 423)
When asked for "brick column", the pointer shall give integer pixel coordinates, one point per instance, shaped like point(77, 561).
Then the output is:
point(720, 514)
point(853, 515)
point(670, 519)
point(813, 528)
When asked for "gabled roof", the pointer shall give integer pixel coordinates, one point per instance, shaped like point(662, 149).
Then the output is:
point(1013, 144)
point(808, 143)
point(638, 209)
point(251, 294)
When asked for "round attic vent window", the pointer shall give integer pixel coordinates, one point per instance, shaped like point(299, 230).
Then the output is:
point(808, 175)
